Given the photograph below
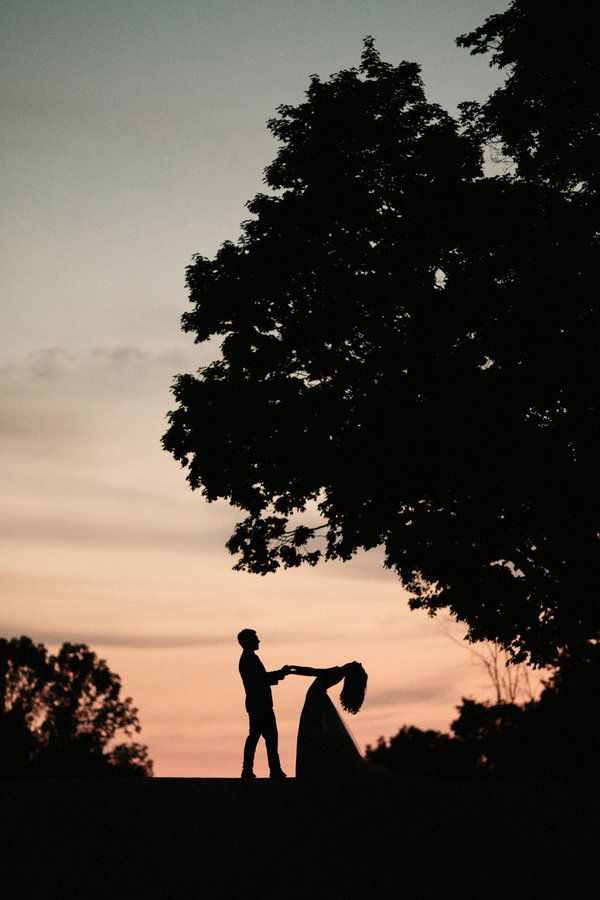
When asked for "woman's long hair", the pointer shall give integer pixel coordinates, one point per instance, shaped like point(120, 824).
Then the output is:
point(354, 688)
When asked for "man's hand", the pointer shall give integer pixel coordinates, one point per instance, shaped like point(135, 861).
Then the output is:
point(285, 671)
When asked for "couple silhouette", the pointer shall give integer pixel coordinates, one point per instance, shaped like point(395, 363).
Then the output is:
point(325, 747)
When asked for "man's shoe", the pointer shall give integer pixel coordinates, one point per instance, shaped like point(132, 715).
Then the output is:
point(247, 775)
point(280, 774)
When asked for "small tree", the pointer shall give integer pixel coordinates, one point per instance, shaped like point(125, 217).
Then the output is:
point(511, 681)
point(60, 713)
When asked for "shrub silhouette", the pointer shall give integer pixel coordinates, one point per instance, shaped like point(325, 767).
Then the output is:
point(557, 736)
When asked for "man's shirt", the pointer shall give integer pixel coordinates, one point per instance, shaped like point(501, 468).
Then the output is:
point(257, 682)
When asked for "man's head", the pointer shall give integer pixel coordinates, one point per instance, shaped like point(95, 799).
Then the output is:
point(248, 639)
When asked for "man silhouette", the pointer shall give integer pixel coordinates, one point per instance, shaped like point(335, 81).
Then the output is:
point(259, 705)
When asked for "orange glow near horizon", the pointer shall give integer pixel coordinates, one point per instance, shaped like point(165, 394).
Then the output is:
point(105, 544)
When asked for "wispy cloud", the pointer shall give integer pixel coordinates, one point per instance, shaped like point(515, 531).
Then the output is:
point(54, 401)
point(144, 641)
point(101, 361)
point(78, 530)
point(139, 641)
point(408, 695)
point(48, 362)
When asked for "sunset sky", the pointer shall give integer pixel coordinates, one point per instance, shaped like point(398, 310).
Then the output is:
point(134, 133)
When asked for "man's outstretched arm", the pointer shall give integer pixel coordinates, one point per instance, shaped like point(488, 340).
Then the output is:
point(278, 675)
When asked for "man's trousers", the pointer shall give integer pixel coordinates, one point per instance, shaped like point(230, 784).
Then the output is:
point(262, 724)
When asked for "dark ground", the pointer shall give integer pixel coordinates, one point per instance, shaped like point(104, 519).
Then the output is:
point(179, 838)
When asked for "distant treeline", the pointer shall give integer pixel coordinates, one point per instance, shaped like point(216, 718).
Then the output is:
point(60, 715)
point(556, 736)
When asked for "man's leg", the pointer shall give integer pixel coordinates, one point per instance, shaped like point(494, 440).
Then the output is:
point(250, 745)
point(271, 740)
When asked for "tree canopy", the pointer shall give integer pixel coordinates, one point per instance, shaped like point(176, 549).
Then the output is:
point(546, 116)
point(412, 348)
point(59, 714)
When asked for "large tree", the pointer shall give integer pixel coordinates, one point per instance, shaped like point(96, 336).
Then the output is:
point(410, 347)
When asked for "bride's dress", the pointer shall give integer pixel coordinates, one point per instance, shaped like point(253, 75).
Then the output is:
point(325, 748)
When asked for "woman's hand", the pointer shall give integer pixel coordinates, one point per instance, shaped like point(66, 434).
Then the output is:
point(303, 670)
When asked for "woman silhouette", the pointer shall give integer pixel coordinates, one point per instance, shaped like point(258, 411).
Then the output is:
point(325, 747)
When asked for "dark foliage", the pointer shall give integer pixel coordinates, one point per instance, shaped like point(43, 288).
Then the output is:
point(59, 714)
point(413, 349)
point(547, 115)
point(557, 736)
point(420, 753)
